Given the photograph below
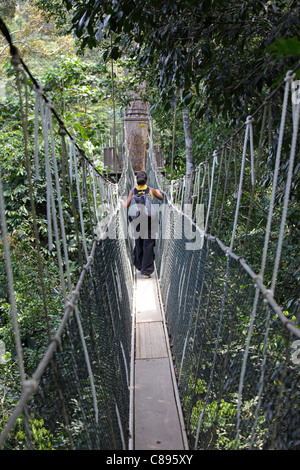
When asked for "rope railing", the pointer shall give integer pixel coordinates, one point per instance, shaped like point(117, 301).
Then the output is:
point(87, 359)
point(217, 173)
point(237, 367)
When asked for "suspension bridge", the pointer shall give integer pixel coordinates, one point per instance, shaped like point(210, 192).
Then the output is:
point(200, 356)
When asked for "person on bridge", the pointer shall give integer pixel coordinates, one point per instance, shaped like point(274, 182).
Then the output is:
point(143, 254)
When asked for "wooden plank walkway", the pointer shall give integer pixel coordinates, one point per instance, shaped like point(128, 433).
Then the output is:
point(158, 422)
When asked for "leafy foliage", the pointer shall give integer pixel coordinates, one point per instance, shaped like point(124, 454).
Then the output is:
point(80, 89)
point(221, 55)
point(187, 45)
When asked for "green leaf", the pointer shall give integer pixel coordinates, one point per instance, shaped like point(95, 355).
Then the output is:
point(290, 46)
point(81, 130)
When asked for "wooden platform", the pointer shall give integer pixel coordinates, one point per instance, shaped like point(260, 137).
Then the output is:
point(158, 422)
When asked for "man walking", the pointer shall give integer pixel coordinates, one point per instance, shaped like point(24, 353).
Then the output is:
point(143, 224)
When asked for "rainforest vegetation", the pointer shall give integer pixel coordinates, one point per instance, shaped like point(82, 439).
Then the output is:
point(212, 62)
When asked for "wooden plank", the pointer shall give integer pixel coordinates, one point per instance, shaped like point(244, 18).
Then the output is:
point(150, 340)
point(147, 303)
point(157, 424)
point(158, 421)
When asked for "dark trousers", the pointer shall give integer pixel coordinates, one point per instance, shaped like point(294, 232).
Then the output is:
point(144, 252)
point(144, 255)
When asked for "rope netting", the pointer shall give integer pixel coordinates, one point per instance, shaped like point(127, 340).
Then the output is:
point(75, 393)
point(223, 257)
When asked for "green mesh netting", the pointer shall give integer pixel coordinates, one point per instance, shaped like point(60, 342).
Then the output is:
point(65, 396)
point(238, 384)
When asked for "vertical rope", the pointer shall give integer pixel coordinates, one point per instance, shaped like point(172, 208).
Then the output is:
point(59, 202)
point(43, 110)
point(262, 375)
point(255, 170)
point(215, 353)
point(216, 191)
point(252, 152)
point(15, 62)
point(244, 364)
point(275, 175)
point(239, 195)
point(227, 165)
point(215, 162)
point(296, 109)
point(173, 139)
point(88, 363)
point(257, 293)
point(114, 114)
point(191, 317)
point(70, 175)
point(203, 183)
point(10, 284)
point(95, 195)
point(51, 200)
point(62, 132)
point(36, 128)
point(73, 153)
point(55, 211)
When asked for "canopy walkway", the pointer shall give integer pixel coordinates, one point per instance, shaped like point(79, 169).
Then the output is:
point(201, 356)
point(158, 419)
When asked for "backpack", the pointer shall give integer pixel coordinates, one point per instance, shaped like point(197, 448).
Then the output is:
point(140, 203)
